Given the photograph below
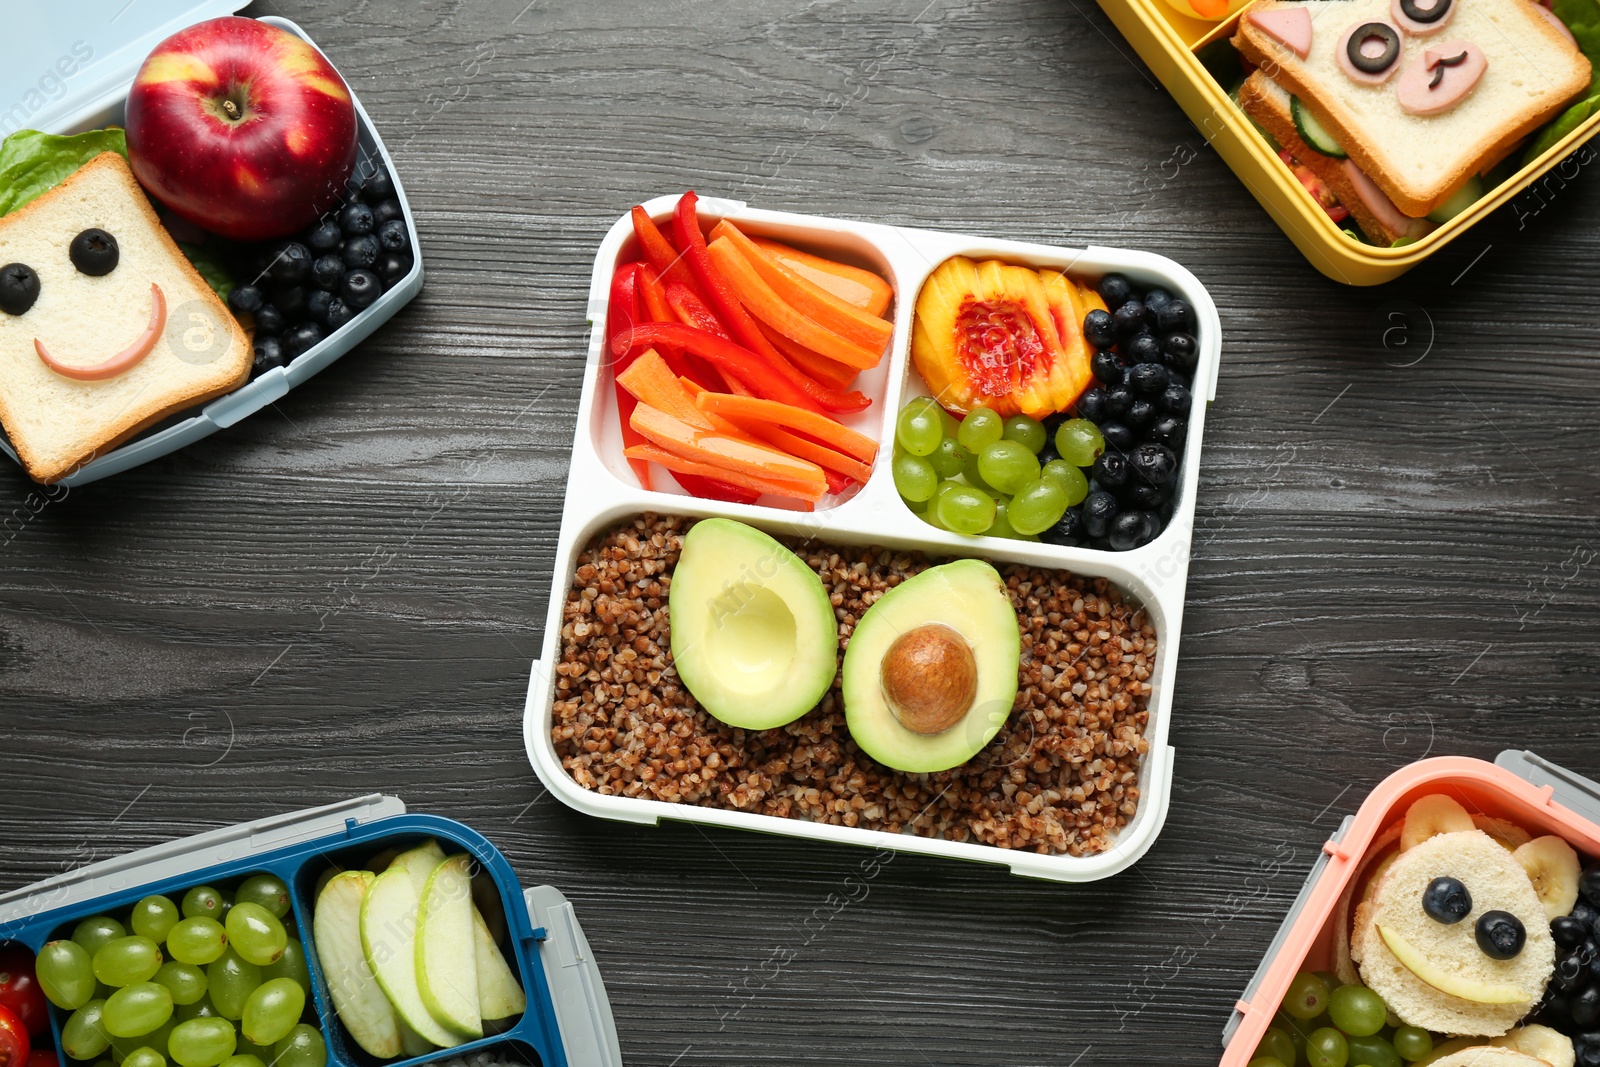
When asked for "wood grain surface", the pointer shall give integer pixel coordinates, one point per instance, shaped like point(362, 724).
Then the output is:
point(1396, 552)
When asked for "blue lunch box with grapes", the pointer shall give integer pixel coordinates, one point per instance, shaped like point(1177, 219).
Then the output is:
point(36, 92)
point(567, 1020)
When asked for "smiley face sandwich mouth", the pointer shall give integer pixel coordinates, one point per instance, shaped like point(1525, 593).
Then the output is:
point(124, 360)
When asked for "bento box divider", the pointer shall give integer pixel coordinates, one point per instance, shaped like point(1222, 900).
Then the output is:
point(583, 1011)
point(1283, 929)
point(1569, 790)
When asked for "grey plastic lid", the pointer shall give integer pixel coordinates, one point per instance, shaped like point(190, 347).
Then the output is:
point(583, 1011)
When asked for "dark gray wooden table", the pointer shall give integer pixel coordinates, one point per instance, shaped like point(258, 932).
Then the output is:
point(1396, 552)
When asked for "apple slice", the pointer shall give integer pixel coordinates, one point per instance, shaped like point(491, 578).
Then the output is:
point(447, 971)
point(419, 862)
point(357, 997)
point(389, 940)
point(413, 1043)
point(1452, 984)
point(499, 995)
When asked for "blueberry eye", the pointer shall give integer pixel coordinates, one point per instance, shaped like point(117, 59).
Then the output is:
point(19, 288)
point(1374, 47)
point(1446, 901)
point(1500, 934)
point(94, 252)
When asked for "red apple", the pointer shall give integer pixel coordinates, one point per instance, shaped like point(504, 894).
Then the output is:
point(241, 128)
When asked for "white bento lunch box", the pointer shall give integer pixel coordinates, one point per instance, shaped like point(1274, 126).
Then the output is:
point(118, 35)
point(602, 489)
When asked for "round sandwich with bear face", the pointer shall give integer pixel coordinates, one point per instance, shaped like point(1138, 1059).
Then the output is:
point(1455, 937)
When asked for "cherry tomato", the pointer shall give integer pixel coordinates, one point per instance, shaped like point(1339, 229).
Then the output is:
point(43, 1057)
point(20, 992)
point(14, 1043)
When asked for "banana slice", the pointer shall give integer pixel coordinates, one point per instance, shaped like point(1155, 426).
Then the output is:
point(1430, 815)
point(1553, 869)
point(1504, 831)
point(1540, 1042)
point(1456, 985)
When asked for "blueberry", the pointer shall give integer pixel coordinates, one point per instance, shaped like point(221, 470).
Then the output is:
point(1142, 348)
point(94, 252)
point(1048, 452)
point(1584, 1007)
point(1157, 464)
point(361, 288)
point(356, 219)
point(1168, 430)
point(1589, 1054)
point(1115, 289)
point(1141, 413)
point(291, 300)
point(1177, 377)
point(19, 288)
point(301, 338)
point(1148, 378)
point(1111, 471)
point(1174, 317)
point(325, 236)
point(1131, 529)
point(269, 321)
point(1181, 351)
point(268, 354)
point(1446, 900)
point(1570, 973)
point(339, 313)
point(1119, 398)
point(1176, 399)
point(393, 236)
point(1156, 299)
point(387, 211)
point(1099, 508)
point(1091, 405)
point(1107, 367)
point(246, 299)
point(1568, 932)
point(327, 272)
point(317, 306)
point(378, 186)
point(360, 253)
point(1589, 886)
point(1150, 497)
point(1117, 435)
point(1500, 935)
point(291, 263)
point(1584, 912)
point(394, 266)
point(1129, 318)
point(1068, 531)
point(1100, 328)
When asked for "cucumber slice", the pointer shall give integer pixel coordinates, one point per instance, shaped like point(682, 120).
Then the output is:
point(1312, 132)
point(1463, 198)
point(1272, 142)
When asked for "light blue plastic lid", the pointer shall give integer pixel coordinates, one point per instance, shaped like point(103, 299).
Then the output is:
point(63, 62)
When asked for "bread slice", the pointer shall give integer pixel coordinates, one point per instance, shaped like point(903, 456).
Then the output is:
point(1267, 102)
point(1533, 72)
point(58, 423)
point(1488, 1056)
point(1497, 882)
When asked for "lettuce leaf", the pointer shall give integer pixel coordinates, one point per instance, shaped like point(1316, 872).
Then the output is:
point(211, 266)
point(32, 163)
point(1583, 19)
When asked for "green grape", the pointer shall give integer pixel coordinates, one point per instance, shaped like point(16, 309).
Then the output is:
point(1412, 1043)
point(1307, 996)
point(914, 477)
point(196, 940)
point(200, 1009)
point(260, 1052)
point(1001, 526)
point(919, 427)
point(982, 427)
point(1329, 979)
point(267, 890)
point(154, 917)
point(230, 980)
point(1326, 1047)
point(202, 1042)
point(66, 974)
point(1069, 478)
point(1007, 466)
point(302, 1047)
point(272, 1011)
point(950, 423)
point(946, 459)
point(123, 1047)
point(204, 902)
point(1357, 1010)
point(1370, 1050)
point(137, 1009)
point(292, 964)
point(1079, 441)
point(969, 471)
point(1278, 1045)
point(255, 933)
point(966, 510)
point(185, 981)
point(1029, 433)
point(248, 1059)
point(1266, 1061)
point(84, 1037)
point(98, 931)
point(144, 1056)
point(127, 960)
point(1037, 506)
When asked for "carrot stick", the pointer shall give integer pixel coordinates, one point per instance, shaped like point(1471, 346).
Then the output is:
point(758, 297)
point(821, 455)
point(652, 382)
point(860, 288)
point(658, 251)
point(681, 465)
point(746, 410)
point(741, 327)
point(658, 308)
point(774, 378)
point(829, 372)
point(730, 454)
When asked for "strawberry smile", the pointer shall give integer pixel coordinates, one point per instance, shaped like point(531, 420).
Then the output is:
point(123, 361)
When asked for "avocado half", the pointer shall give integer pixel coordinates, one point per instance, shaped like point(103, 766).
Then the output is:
point(753, 632)
point(930, 673)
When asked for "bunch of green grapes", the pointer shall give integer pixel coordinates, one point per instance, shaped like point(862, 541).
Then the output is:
point(205, 982)
point(1325, 1023)
point(1002, 477)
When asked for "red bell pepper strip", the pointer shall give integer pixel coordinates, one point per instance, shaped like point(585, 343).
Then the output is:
point(659, 309)
point(711, 489)
point(622, 314)
point(657, 250)
point(741, 327)
point(837, 483)
point(691, 310)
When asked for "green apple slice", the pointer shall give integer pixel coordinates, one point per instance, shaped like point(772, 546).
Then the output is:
point(413, 1043)
point(447, 971)
point(357, 997)
point(1445, 982)
point(499, 995)
point(389, 940)
point(419, 862)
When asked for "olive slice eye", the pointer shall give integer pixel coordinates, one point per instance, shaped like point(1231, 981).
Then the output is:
point(1374, 47)
point(19, 288)
point(94, 252)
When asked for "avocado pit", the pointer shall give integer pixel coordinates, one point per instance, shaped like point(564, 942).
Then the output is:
point(930, 678)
